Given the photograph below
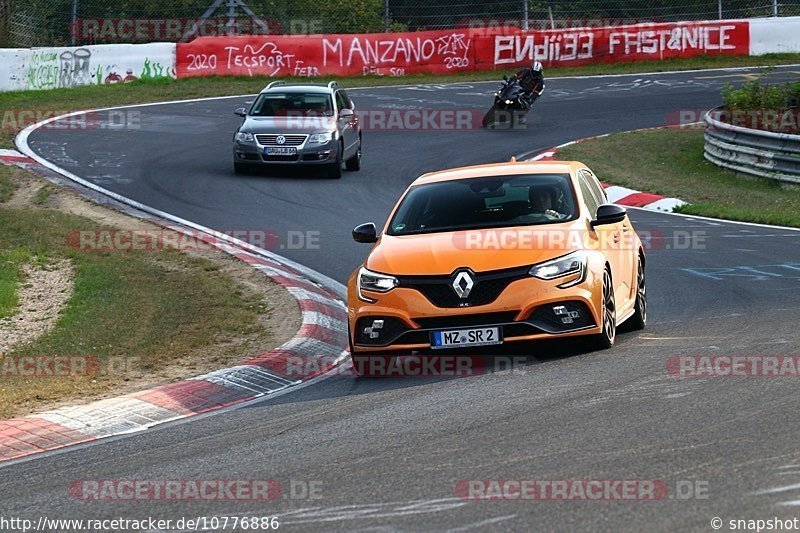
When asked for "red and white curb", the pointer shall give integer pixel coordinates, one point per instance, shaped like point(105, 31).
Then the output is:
point(322, 337)
point(12, 157)
point(621, 195)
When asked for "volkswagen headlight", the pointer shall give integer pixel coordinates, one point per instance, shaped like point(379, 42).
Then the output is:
point(572, 266)
point(244, 137)
point(374, 282)
point(321, 138)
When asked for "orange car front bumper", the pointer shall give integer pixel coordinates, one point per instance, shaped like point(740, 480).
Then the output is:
point(524, 311)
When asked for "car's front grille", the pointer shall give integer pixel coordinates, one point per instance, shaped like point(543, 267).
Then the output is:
point(487, 286)
point(458, 321)
point(272, 140)
point(287, 158)
point(555, 318)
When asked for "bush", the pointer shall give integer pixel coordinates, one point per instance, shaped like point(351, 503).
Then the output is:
point(794, 94)
point(763, 107)
point(755, 96)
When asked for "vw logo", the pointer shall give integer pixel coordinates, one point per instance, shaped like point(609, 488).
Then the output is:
point(463, 284)
point(280, 139)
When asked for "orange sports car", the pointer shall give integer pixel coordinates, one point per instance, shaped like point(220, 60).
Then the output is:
point(495, 254)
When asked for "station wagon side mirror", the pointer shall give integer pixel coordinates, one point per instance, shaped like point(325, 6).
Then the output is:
point(242, 112)
point(346, 113)
point(609, 214)
point(366, 233)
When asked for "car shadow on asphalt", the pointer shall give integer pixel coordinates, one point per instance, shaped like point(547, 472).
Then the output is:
point(423, 370)
point(285, 172)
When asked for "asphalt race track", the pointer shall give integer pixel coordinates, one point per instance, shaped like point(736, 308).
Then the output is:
point(387, 454)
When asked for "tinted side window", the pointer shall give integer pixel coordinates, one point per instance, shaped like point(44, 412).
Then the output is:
point(347, 99)
point(588, 196)
point(341, 101)
point(594, 184)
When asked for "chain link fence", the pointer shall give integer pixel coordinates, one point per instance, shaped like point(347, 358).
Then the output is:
point(28, 23)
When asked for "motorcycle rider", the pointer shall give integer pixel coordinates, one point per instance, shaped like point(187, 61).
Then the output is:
point(532, 81)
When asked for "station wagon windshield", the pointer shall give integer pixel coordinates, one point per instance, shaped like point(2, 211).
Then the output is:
point(292, 104)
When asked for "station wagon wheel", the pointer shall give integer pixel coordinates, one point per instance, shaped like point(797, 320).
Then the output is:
point(354, 163)
point(335, 169)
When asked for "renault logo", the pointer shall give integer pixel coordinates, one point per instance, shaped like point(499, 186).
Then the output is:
point(280, 139)
point(463, 284)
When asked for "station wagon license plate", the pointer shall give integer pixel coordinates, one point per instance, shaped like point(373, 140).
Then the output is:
point(280, 150)
point(465, 338)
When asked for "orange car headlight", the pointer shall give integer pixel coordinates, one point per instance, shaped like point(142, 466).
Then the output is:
point(374, 282)
point(571, 266)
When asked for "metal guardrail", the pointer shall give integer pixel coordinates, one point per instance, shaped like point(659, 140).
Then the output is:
point(756, 152)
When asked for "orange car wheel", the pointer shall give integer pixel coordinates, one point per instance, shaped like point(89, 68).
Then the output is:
point(605, 339)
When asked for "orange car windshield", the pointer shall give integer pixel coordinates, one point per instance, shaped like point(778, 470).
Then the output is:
point(487, 202)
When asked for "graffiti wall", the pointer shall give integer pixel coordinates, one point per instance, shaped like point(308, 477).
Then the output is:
point(394, 54)
point(442, 52)
point(640, 42)
point(391, 54)
point(52, 68)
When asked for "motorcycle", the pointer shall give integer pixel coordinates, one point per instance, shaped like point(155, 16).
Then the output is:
point(510, 103)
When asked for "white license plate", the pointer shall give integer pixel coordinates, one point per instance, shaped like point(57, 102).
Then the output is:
point(465, 338)
point(280, 150)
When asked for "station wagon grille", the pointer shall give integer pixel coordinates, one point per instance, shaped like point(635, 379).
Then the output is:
point(272, 140)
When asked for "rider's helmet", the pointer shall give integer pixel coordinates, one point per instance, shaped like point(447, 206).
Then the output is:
point(536, 67)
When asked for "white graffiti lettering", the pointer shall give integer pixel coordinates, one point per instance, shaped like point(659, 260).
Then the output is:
point(368, 52)
point(677, 39)
point(266, 57)
point(550, 47)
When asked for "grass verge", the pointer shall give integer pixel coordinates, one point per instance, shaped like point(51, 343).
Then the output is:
point(134, 314)
point(63, 100)
point(10, 278)
point(670, 162)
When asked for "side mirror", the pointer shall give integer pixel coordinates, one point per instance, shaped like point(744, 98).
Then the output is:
point(242, 112)
point(366, 233)
point(346, 113)
point(609, 214)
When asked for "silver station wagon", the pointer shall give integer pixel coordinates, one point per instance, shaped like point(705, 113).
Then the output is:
point(299, 124)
